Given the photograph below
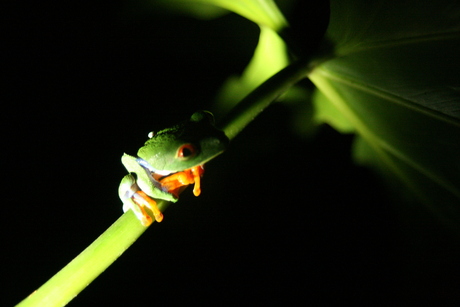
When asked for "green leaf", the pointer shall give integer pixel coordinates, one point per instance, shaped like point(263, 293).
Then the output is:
point(263, 12)
point(395, 77)
point(326, 112)
point(199, 10)
point(269, 57)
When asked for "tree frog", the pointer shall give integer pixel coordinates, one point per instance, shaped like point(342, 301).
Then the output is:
point(170, 160)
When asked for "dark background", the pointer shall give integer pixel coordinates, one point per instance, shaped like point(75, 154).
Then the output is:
point(281, 218)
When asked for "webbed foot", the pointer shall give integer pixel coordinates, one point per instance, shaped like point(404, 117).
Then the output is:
point(135, 199)
point(174, 182)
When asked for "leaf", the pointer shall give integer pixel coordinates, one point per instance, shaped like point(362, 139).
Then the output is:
point(395, 77)
point(327, 113)
point(263, 12)
point(269, 57)
point(199, 10)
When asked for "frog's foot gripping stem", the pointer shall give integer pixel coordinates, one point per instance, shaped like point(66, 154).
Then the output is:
point(174, 182)
point(143, 200)
point(136, 200)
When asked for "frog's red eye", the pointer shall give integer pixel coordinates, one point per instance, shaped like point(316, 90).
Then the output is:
point(186, 151)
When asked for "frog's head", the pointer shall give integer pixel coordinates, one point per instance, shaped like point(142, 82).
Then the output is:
point(186, 145)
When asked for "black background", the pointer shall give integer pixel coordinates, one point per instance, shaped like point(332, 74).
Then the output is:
point(281, 219)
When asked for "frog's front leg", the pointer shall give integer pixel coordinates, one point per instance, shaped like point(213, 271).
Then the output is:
point(135, 199)
point(173, 182)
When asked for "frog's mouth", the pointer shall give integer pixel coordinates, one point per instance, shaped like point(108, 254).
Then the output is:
point(150, 169)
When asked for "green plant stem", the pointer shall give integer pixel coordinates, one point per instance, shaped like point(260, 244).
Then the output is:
point(253, 104)
point(82, 270)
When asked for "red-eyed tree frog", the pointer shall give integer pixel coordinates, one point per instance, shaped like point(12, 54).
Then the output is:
point(169, 161)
